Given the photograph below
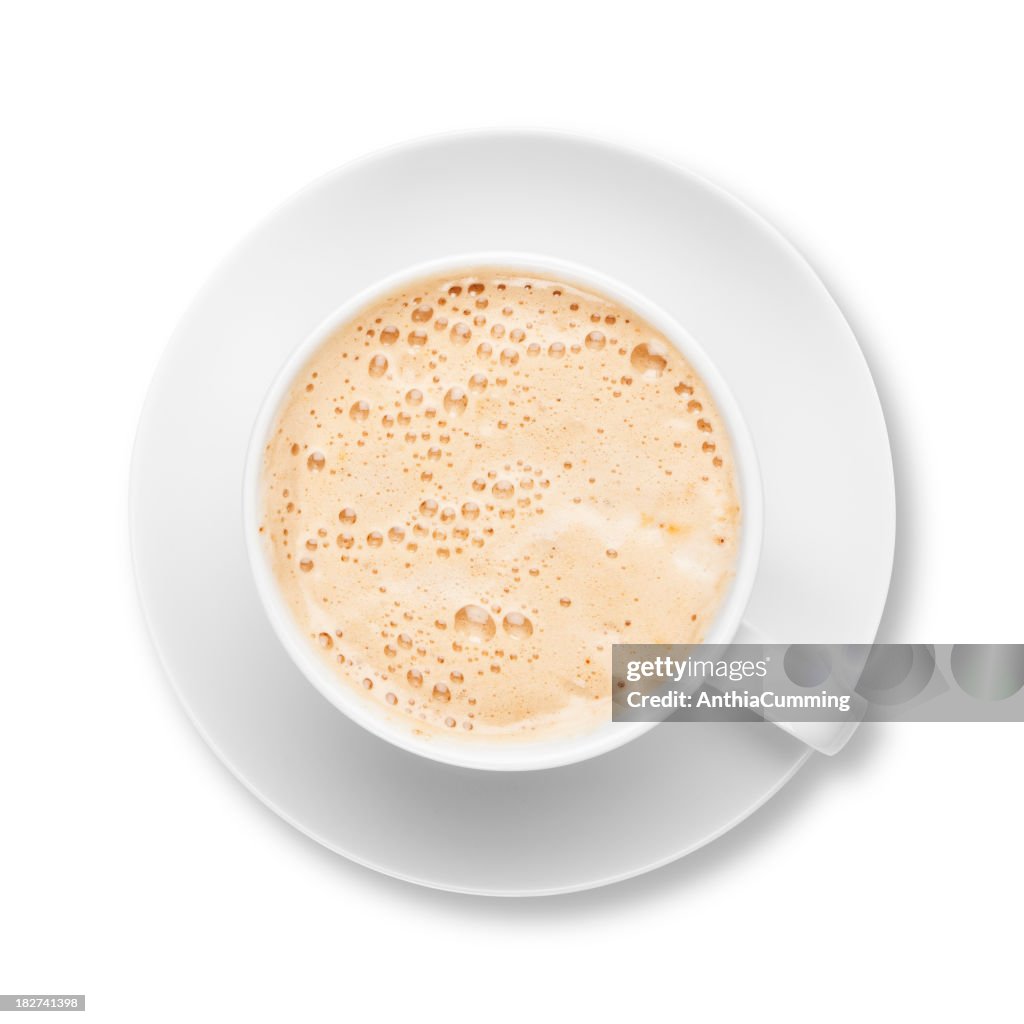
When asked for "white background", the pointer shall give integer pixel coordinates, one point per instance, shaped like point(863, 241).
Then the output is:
point(884, 139)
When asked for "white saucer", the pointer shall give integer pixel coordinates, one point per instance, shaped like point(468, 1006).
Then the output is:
point(740, 289)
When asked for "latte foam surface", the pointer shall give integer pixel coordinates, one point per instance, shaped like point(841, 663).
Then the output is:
point(479, 484)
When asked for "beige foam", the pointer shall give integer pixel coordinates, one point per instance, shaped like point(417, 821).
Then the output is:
point(522, 500)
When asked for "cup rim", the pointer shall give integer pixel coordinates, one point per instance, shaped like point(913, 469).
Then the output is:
point(513, 755)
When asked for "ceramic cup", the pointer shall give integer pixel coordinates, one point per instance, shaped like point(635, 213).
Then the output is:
point(343, 694)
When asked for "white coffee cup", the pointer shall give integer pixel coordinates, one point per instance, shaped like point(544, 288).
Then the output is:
point(502, 755)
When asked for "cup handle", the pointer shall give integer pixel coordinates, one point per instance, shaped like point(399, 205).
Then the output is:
point(825, 737)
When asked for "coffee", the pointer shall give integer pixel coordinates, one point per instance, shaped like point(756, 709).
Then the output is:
point(479, 484)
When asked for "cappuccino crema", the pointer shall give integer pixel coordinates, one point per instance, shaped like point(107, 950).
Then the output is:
point(480, 483)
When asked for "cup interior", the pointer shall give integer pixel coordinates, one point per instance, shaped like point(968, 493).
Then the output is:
point(510, 755)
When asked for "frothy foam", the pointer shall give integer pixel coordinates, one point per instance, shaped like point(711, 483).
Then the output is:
point(482, 482)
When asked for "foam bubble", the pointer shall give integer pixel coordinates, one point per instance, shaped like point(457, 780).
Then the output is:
point(650, 358)
point(456, 401)
point(517, 625)
point(474, 622)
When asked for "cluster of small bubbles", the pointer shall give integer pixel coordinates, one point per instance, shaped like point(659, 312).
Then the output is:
point(378, 366)
point(517, 625)
point(475, 623)
point(316, 461)
point(460, 333)
point(456, 401)
point(360, 410)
